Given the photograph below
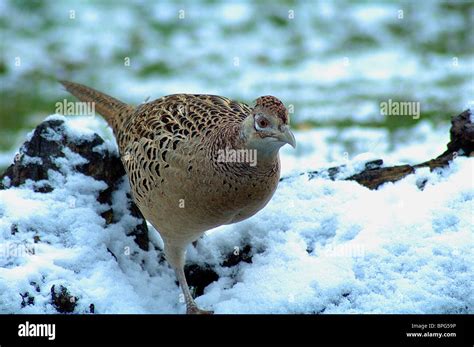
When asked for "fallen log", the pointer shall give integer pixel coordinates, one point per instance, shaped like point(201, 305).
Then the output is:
point(374, 175)
point(39, 155)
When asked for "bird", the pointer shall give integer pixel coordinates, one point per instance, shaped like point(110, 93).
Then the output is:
point(195, 162)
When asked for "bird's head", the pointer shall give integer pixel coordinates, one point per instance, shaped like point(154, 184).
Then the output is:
point(267, 128)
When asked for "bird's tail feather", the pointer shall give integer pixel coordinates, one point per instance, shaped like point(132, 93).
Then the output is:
point(113, 110)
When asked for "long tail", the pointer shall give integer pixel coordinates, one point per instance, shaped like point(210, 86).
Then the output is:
point(114, 111)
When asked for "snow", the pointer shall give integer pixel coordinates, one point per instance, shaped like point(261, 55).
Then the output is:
point(394, 250)
point(320, 246)
point(327, 147)
point(6, 158)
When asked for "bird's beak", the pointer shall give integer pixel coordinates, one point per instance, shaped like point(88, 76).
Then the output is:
point(287, 136)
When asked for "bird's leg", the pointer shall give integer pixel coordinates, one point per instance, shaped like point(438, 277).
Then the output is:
point(175, 257)
point(191, 306)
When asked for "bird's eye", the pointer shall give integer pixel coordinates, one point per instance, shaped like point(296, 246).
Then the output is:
point(262, 123)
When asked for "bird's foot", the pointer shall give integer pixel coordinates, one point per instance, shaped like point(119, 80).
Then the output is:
point(197, 310)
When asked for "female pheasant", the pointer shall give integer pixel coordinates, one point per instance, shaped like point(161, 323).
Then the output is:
point(195, 162)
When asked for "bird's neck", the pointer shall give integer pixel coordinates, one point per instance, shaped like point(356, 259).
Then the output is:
point(266, 156)
point(233, 146)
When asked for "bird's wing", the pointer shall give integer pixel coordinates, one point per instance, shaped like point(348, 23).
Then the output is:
point(170, 133)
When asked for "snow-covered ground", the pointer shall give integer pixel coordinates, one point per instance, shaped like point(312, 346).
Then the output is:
point(320, 246)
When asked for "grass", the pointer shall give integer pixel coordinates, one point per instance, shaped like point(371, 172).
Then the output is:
point(25, 101)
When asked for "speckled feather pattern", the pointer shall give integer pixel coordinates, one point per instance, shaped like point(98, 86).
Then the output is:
point(170, 148)
point(272, 104)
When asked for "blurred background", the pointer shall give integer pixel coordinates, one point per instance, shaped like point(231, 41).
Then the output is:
point(331, 62)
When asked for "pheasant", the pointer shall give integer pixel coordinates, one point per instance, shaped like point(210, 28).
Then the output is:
point(195, 162)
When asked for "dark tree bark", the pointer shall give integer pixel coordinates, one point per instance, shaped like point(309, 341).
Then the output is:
point(374, 175)
point(48, 142)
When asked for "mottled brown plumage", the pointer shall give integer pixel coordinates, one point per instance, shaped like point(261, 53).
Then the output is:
point(273, 105)
point(172, 149)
